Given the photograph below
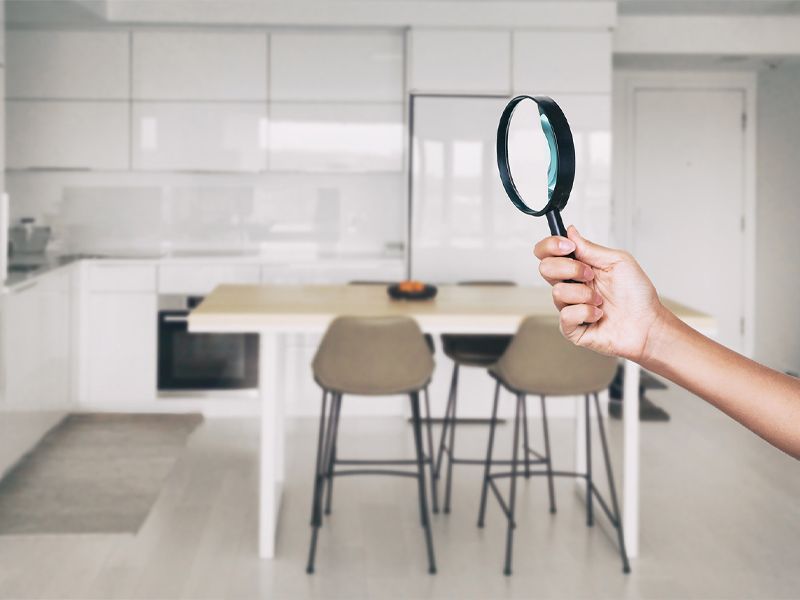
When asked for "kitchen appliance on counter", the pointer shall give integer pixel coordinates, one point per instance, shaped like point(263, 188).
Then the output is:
point(28, 238)
point(201, 362)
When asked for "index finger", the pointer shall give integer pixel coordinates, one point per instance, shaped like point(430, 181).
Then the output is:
point(555, 245)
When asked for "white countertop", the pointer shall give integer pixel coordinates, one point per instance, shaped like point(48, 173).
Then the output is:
point(36, 266)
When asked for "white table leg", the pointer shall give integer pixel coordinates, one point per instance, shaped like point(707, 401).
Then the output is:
point(271, 442)
point(279, 373)
point(630, 467)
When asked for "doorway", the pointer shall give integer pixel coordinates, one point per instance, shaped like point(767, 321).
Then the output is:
point(688, 178)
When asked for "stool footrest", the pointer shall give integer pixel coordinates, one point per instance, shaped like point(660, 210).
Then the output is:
point(376, 472)
point(521, 473)
point(377, 461)
point(540, 460)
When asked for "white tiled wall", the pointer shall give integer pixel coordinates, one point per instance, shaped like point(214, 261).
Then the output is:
point(282, 214)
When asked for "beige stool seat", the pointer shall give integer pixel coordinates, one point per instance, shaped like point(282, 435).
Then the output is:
point(371, 356)
point(377, 356)
point(539, 361)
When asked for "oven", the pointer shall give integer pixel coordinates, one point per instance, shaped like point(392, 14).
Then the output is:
point(201, 361)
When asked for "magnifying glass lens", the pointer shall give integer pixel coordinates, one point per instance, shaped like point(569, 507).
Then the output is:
point(532, 155)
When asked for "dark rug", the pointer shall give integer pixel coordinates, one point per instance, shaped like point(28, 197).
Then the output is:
point(93, 473)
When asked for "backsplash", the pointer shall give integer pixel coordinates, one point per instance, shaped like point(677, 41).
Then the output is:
point(294, 215)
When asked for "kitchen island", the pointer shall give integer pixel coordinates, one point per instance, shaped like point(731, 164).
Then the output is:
point(276, 311)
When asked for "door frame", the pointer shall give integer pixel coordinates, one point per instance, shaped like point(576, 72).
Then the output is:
point(626, 84)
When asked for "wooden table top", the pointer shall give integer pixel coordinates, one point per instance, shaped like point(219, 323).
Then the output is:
point(467, 309)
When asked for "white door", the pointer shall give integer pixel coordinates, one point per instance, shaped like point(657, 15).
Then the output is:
point(688, 200)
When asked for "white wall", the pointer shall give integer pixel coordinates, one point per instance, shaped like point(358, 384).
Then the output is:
point(778, 220)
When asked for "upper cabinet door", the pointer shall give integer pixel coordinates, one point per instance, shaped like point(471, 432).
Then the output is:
point(184, 136)
point(336, 137)
point(460, 61)
point(67, 135)
point(561, 62)
point(336, 66)
point(68, 64)
point(192, 65)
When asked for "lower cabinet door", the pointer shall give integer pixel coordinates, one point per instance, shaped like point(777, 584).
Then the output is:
point(121, 348)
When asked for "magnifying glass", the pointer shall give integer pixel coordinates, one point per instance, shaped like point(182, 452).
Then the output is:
point(555, 132)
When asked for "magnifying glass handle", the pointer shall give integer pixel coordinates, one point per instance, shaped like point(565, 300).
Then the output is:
point(557, 226)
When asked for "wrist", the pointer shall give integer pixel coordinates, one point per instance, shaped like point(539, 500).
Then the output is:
point(659, 335)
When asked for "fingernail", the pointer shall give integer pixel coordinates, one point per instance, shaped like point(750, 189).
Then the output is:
point(598, 313)
point(566, 245)
point(598, 299)
point(588, 273)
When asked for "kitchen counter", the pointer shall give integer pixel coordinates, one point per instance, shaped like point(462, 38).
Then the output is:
point(26, 268)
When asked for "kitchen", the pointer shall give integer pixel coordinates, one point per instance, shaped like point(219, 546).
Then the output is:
point(155, 151)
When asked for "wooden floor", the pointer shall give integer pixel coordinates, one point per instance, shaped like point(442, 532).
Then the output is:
point(720, 519)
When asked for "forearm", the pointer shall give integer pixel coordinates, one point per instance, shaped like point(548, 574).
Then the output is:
point(765, 401)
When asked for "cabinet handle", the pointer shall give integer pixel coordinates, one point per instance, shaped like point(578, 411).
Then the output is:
point(172, 319)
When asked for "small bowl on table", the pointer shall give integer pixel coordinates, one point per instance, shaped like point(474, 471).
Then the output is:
point(411, 290)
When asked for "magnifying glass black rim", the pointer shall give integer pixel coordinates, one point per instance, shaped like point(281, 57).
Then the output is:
point(565, 154)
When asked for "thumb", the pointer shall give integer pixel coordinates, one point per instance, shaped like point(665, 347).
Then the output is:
point(590, 253)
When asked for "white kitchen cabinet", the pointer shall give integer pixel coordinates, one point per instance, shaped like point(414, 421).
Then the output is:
point(336, 137)
point(460, 61)
point(199, 65)
point(22, 334)
point(67, 135)
point(343, 66)
point(37, 337)
point(550, 62)
point(110, 277)
point(120, 345)
point(333, 271)
point(179, 136)
point(201, 279)
point(92, 65)
point(119, 327)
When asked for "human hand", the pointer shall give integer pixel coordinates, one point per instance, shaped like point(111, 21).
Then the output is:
point(612, 307)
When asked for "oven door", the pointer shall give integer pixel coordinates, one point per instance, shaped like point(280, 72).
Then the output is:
point(204, 361)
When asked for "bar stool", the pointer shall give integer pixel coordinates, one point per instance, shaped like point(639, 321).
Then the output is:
point(370, 356)
point(428, 425)
point(539, 361)
point(479, 351)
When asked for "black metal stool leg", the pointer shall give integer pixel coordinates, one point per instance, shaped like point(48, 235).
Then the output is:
point(526, 453)
point(445, 423)
point(589, 483)
point(434, 494)
point(512, 501)
point(448, 486)
point(316, 504)
point(423, 500)
point(488, 464)
point(332, 459)
point(626, 567)
point(549, 463)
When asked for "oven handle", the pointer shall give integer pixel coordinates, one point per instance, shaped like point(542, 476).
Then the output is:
point(174, 319)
